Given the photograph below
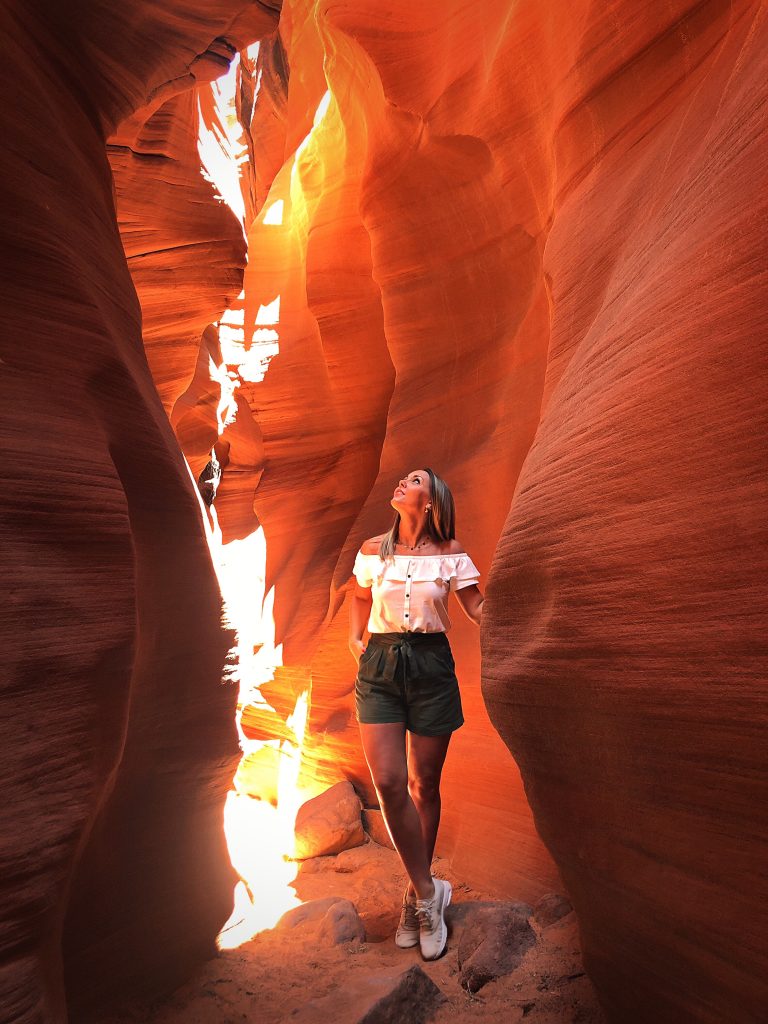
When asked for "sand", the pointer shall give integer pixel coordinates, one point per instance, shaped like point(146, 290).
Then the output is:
point(289, 975)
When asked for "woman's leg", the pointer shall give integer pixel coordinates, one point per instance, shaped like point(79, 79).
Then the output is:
point(426, 756)
point(384, 747)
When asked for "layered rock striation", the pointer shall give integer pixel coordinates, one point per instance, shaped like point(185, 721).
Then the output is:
point(624, 651)
point(563, 214)
point(523, 246)
point(117, 738)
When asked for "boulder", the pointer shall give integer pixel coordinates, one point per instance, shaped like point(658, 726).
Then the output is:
point(375, 826)
point(329, 823)
point(341, 924)
point(335, 919)
point(308, 913)
point(380, 997)
point(413, 999)
point(493, 940)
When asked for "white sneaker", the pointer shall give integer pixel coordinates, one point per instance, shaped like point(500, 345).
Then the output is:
point(407, 933)
point(433, 931)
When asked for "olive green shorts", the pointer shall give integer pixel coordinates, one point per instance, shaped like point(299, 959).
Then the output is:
point(410, 678)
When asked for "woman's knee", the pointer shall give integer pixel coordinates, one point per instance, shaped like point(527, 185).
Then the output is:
point(424, 788)
point(392, 786)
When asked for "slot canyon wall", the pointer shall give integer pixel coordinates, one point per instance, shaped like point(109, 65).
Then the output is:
point(524, 247)
point(117, 739)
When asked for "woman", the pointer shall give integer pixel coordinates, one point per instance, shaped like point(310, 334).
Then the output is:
point(406, 683)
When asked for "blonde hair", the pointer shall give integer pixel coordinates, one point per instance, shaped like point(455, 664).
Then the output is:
point(441, 521)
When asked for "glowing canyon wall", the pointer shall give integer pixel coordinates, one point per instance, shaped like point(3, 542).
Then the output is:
point(117, 739)
point(520, 243)
point(527, 249)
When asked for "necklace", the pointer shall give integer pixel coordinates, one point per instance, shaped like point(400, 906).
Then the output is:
point(414, 547)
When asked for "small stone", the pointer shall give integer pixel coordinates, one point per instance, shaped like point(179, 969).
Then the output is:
point(376, 997)
point(329, 823)
point(551, 908)
point(310, 912)
point(374, 825)
point(414, 999)
point(342, 924)
point(493, 941)
point(317, 865)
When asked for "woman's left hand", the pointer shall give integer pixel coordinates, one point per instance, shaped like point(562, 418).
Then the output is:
point(357, 647)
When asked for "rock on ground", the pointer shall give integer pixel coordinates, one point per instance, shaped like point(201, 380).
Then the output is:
point(374, 825)
point(493, 940)
point(412, 1000)
point(383, 997)
point(329, 823)
point(342, 924)
point(286, 974)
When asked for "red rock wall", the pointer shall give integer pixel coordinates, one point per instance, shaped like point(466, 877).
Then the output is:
point(523, 246)
point(117, 738)
point(623, 645)
point(393, 265)
point(562, 213)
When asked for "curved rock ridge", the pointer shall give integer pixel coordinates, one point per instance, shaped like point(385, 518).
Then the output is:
point(523, 245)
point(358, 274)
point(623, 654)
point(526, 248)
point(117, 737)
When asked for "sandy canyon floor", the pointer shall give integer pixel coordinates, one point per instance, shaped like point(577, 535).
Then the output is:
point(294, 975)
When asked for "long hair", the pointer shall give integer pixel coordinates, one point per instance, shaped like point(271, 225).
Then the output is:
point(441, 521)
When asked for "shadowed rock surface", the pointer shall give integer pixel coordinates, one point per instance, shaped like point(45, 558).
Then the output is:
point(524, 245)
point(492, 942)
point(551, 908)
point(286, 973)
point(116, 736)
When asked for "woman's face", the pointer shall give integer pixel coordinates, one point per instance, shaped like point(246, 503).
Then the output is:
point(412, 492)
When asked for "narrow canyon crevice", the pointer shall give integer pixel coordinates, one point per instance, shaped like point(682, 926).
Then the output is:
point(523, 245)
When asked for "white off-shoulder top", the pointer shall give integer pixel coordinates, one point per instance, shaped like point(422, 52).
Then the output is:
point(411, 591)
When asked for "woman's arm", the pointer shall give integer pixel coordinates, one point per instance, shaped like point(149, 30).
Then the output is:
point(359, 613)
point(471, 600)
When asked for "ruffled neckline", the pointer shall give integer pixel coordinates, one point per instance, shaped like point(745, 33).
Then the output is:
point(453, 554)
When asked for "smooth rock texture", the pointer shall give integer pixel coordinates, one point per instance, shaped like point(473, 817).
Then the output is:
point(390, 243)
point(376, 827)
point(333, 919)
point(342, 924)
point(623, 651)
point(309, 912)
point(116, 734)
point(521, 243)
point(329, 823)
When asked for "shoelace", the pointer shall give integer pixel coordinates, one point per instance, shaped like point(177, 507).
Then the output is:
point(409, 917)
point(424, 911)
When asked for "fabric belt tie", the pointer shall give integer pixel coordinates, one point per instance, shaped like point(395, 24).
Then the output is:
point(399, 650)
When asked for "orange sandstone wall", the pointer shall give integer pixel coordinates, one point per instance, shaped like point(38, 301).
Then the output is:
point(624, 654)
point(521, 244)
point(413, 328)
point(525, 246)
point(116, 737)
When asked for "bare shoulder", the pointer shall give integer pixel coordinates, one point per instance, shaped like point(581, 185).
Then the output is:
point(371, 546)
point(446, 547)
point(455, 547)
